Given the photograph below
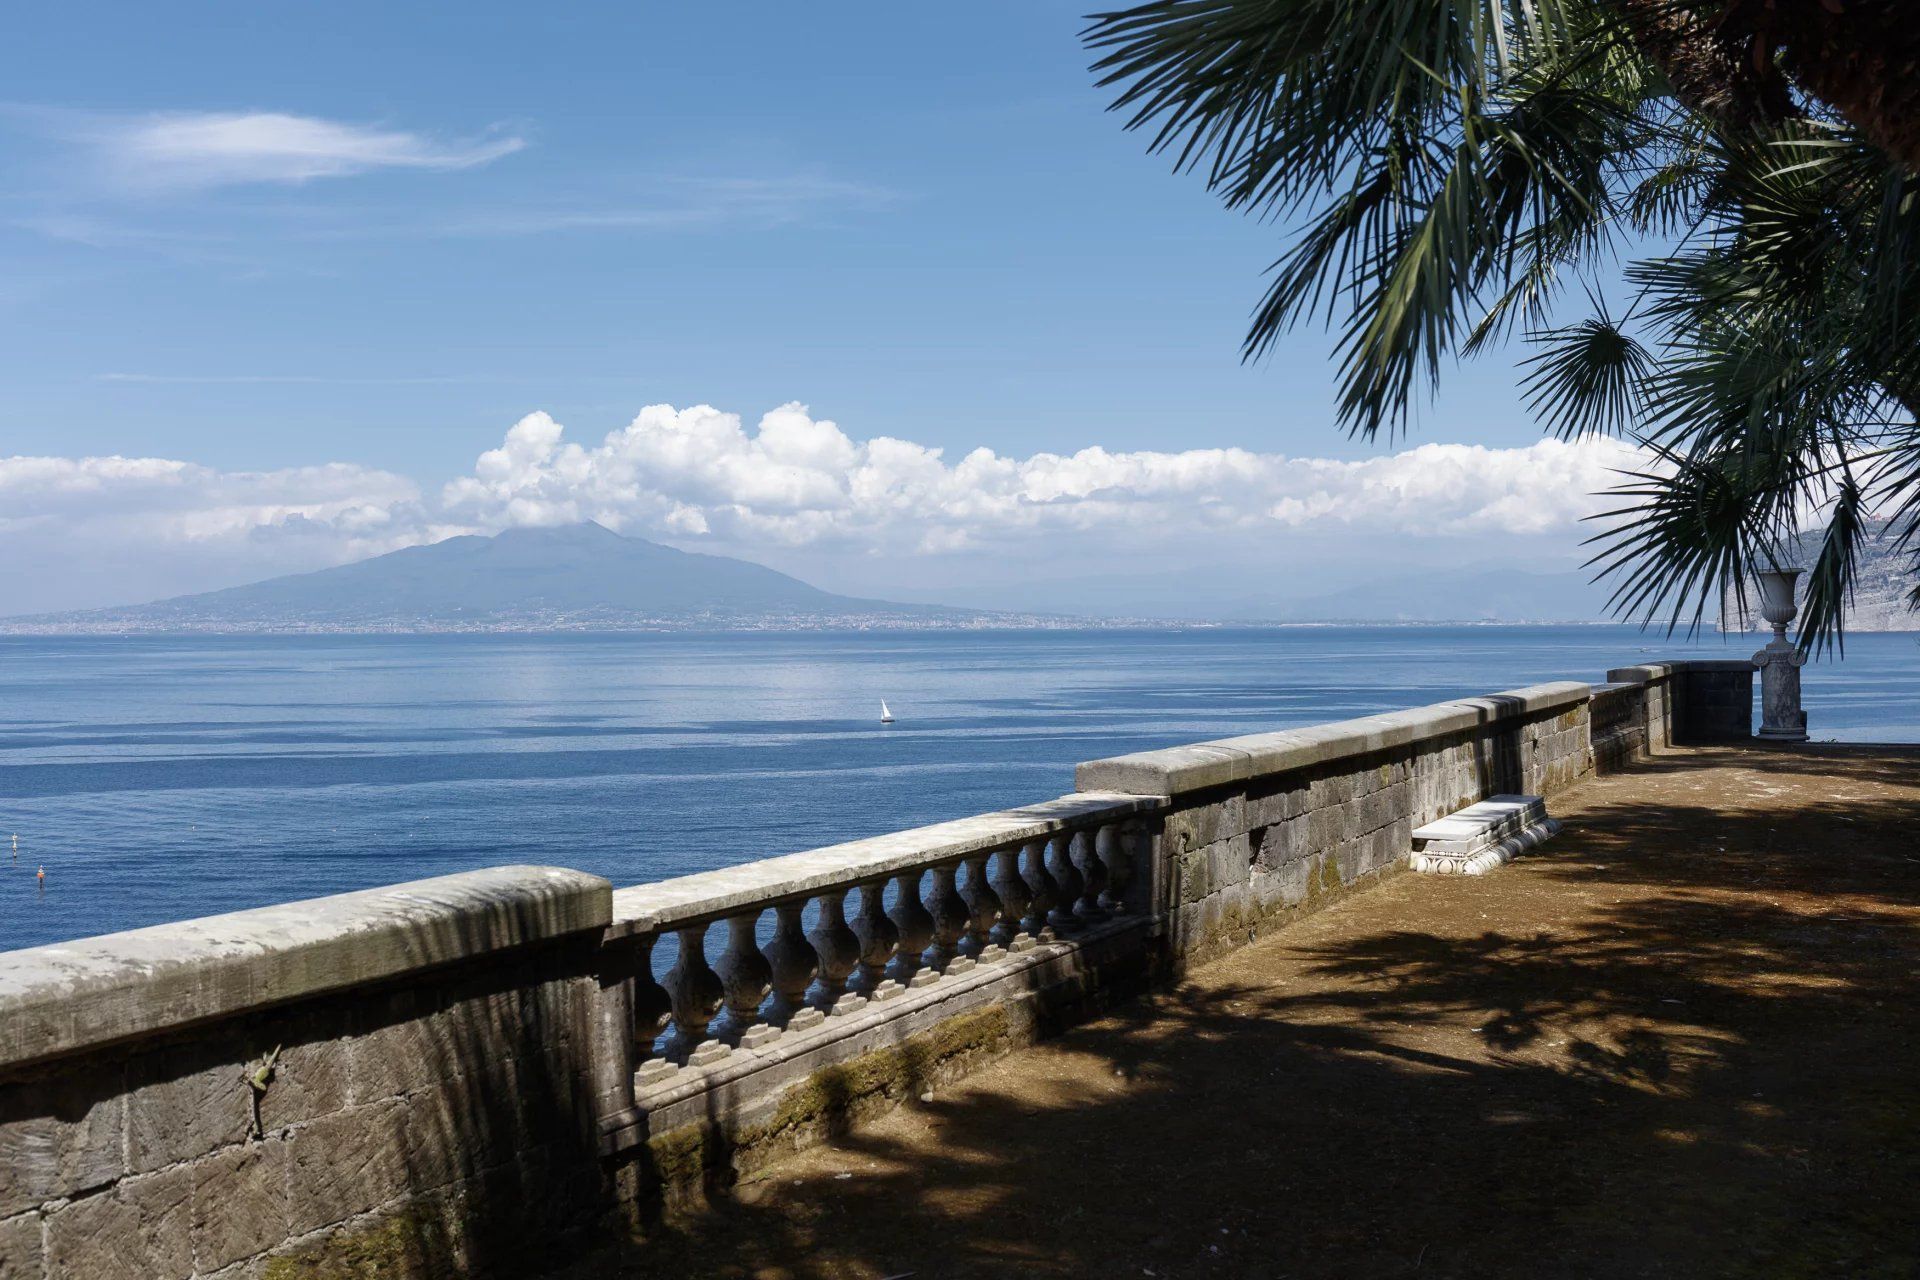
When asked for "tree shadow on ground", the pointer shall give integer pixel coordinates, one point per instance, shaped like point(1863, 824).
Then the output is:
point(1692, 1057)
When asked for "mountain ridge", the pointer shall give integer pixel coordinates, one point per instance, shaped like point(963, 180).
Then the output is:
point(580, 576)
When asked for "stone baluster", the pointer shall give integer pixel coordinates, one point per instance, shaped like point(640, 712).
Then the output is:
point(1069, 881)
point(695, 993)
point(916, 932)
point(1043, 893)
point(1015, 901)
point(838, 947)
point(652, 1013)
point(794, 963)
point(1110, 844)
point(951, 919)
point(984, 910)
point(879, 939)
point(1093, 876)
point(746, 977)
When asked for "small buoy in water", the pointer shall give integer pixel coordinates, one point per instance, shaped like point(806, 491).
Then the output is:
point(42, 877)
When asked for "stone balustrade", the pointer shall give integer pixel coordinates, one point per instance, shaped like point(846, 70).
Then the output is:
point(743, 962)
point(464, 1074)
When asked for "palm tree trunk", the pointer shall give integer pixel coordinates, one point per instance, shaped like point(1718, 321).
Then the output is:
point(1738, 61)
point(1860, 57)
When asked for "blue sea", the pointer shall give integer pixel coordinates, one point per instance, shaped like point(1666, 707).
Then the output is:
point(157, 778)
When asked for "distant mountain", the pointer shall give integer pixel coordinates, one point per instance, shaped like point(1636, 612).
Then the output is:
point(582, 576)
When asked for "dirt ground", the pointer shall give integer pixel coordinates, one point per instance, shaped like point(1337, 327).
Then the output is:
point(1679, 1040)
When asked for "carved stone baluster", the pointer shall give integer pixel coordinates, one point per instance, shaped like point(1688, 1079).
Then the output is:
point(1093, 873)
point(950, 921)
point(1043, 893)
point(879, 939)
point(1111, 846)
point(839, 950)
point(916, 932)
point(1070, 882)
point(1015, 901)
point(794, 964)
point(983, 908)
point(695, 993)
point(746, 975)
point(652, 1012)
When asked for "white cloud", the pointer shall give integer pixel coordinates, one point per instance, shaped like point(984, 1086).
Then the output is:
point(219, 148)
point(798, 491)
point(86, 531)
point(800, 481)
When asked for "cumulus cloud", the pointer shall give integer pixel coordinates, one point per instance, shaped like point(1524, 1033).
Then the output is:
point(218, 148)
point(795, 480)
point(794, 489)
point(76, 532)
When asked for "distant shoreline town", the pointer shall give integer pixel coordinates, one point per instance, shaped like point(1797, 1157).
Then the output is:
point(708, 625)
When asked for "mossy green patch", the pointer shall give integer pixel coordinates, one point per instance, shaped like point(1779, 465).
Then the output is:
point(685, 1161)
point(412, 1244)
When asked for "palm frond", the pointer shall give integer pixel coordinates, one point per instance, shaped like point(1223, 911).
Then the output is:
point(1588, 378)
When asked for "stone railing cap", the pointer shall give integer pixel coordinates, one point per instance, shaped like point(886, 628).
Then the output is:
point(666, 903)
point(58, 999)
point(1644, 672)
point(1178, 770)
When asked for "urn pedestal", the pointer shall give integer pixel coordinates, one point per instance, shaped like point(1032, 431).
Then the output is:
point(1781, 719)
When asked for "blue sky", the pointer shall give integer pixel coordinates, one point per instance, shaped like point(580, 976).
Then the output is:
point(254, 238)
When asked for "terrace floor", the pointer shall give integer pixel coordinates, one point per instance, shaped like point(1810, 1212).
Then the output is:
point(1681, 1039)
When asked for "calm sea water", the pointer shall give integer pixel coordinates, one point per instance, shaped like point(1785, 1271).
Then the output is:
point(160, 778)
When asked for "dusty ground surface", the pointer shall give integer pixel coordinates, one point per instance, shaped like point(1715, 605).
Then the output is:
point(1679, 1040)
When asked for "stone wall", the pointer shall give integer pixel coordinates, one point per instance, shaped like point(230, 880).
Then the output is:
point(1265, 827)
point(427, 1109)
point(466, 1075)
point(1717, 702)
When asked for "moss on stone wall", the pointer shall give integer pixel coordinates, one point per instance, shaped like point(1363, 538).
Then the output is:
point(414, 1243)
point(688, 1160)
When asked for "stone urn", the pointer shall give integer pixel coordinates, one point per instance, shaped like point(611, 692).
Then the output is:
point(1781, 718)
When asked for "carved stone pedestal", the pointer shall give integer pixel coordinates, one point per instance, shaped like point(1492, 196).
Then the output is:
point(1781, 719)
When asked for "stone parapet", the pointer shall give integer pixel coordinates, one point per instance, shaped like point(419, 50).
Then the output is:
point(79, 995)
point(1265, 827)
point(1175, 771)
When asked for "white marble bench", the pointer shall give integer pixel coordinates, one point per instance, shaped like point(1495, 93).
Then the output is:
point(1482, 836)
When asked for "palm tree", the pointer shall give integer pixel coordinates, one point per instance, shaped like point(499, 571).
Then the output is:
point(1447, 169)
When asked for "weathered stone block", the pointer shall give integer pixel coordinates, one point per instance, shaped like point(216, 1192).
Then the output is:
point(140, 1230)
point(239, 1203)
point(1228, 861)
point(405, 1046)
point(1204, 824)
point(1276, 805)
point(462, 1128)
point(1285, 885)
point(1326, 827)
point(346, 1163)
point(187, 1101)
point(60, 1136)
point(99, 1237)
point(21, 1257)
point(1192, 876)
point(1332, 789)
point(309, 1080)
point(1377, 810)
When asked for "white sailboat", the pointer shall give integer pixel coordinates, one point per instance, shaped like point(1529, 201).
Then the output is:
point(886, 716)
